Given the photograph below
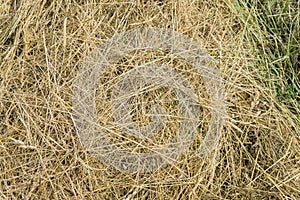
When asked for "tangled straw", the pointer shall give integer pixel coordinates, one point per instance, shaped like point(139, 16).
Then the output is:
point(136, 81)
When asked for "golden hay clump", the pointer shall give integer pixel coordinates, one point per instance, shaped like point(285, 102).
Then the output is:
point(42, 46)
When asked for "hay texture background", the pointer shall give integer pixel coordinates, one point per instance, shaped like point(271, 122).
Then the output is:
point(42, 47)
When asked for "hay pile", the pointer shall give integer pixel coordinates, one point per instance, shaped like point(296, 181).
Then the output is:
point(42, 47)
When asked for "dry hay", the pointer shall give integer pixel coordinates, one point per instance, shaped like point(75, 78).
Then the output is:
point(43, 46)
point(174, 113)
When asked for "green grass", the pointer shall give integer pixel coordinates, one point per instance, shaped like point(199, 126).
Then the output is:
point(273, 29)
